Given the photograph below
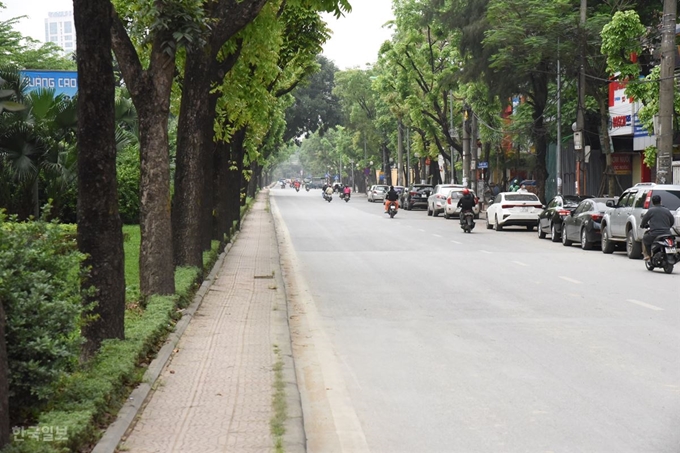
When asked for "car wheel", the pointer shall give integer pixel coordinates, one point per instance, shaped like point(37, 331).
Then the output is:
point(585, 245)
point(435, 213)
point(497, 226)
point(428, 210)
point(606, 243)
point(633, 247)
point(541, 233)
point(554, 235)
point(446, 215)
point(488, 225)
point(565, 241)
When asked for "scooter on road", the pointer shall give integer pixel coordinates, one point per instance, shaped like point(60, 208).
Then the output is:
point(664, 253)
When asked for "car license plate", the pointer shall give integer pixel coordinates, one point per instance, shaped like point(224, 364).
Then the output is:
point(524, 209)
point(671, 251)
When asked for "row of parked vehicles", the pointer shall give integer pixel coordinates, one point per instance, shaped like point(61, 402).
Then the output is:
point(609, 223)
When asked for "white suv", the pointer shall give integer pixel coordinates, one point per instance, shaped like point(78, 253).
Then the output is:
point(622, 223)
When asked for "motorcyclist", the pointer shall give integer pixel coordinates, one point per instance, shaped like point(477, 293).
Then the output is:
point(466, 203)
point(659, 220)
point(346, 191)
point(391, 197)
point(329, 191)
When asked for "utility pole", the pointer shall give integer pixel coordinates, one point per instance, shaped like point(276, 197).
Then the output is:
point(475, 154)
point(451, 133)
point(664, 141)
point(580, 117)
point(558, 150)
point(466, 145)
point(400, 154)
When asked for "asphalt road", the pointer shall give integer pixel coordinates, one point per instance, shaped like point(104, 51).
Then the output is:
point(439, 341)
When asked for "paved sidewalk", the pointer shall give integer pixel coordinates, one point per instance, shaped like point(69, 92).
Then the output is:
point(215, 394)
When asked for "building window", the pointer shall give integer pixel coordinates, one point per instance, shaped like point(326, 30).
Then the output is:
point(68, 45)
point(54, 39)
point(53, 28)
point(68, 38)
point(67, 27)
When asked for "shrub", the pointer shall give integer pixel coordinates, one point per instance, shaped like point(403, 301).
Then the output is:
point(40, 289)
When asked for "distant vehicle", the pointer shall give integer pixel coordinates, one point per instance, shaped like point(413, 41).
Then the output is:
point(451, 208)
point(377, 192)
point(437, 199)
point(622, 224)
point(583, 224)
point(416, 195)
point(550, 220)
point(513, 209)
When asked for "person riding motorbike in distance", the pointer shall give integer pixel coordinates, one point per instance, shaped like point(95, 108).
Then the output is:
point(329, 191)
point(391, 197)
point(659, 220)
point(466, 203)
point(346, 191)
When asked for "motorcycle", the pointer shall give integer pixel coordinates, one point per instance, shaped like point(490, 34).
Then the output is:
point(297, 188)
point(307, 187)
point(392, 210)
point(467, 221)
point(283, 185)
point(344, 196)
point(327, 197)
point(664, 253)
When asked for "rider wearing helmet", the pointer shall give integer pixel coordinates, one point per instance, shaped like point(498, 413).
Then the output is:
point(467, 201)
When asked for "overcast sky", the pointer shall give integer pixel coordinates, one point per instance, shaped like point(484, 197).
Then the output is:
point(355, 41)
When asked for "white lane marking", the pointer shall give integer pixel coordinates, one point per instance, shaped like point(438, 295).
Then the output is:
point(521, 263)
point(486, 251)
point(643, 304)
point(436, 235)
point(456, 242)
point(570, 280)
point(421, 230)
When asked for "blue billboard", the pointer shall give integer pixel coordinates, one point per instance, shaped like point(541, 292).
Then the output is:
point(63, 82)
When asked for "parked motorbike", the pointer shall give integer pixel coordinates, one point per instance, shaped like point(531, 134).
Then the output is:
point(392, 210)
point(467, 221)
point(664, 253)
point(327, 197)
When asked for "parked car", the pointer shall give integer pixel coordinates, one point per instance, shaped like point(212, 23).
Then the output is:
point(377, 192)
point(583, 224)
point(550, 220)
point(621, 225)
point(416, 195)
point(451, 208)
point(513, 209)
point(437, 198)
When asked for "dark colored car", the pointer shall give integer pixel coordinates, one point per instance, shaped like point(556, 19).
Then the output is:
point(583, 224)
point(416, 195)
point(550, 220)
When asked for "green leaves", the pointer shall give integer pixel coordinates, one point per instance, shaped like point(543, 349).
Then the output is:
point(621, 38)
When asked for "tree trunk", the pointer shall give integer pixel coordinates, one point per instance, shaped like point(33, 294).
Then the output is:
point(189, 184)
point(252, 183)
point(156, 269)
point(541, 143)
point(222, 164)
point(150, 91)
point(234, 179)
point(4, 384)
point(209, 196)
point(100, 233)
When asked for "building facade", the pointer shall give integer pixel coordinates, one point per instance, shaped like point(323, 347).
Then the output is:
point(60, 29)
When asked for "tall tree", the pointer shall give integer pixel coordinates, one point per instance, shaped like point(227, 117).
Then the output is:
point(4, 384)
point(100, 233)
point(524, 35)
point(159, 28)
point(203, 69)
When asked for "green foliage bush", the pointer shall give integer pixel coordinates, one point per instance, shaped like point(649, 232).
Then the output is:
point(127, 167)
point(40, 289)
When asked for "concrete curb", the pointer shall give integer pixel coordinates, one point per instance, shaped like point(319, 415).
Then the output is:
point(126, 416)
point(295, 438)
